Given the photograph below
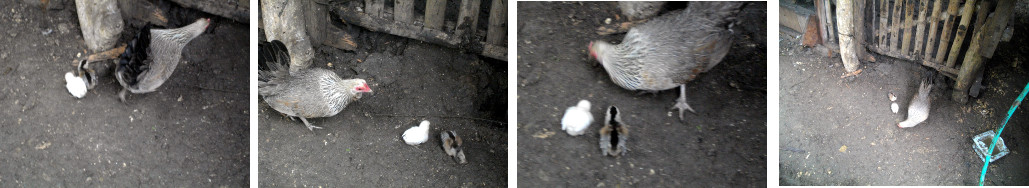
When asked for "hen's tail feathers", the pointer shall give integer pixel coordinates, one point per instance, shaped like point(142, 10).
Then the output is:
point(273, 60)
point(725, 10)
point(131, 63)
point(930, 76)
point(928, 80)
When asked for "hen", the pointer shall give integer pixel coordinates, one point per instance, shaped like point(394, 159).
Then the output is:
point(153, 55)
point(670, 50)
point(918, 110)
point(307, 93)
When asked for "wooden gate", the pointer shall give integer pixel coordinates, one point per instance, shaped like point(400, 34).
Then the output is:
point(934, 33)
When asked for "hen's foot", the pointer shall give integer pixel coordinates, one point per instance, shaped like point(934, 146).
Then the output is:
point(121, 95)
point(309, 126)
point(680, 103)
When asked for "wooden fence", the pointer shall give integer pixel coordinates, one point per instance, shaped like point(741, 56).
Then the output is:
point(399, 17)
point(953, 36)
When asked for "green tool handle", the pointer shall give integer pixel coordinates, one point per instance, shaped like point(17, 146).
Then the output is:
point(989, 153)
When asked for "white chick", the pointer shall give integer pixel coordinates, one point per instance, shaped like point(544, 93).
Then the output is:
point(76, 85)
point(577, 118)
point(417, 135)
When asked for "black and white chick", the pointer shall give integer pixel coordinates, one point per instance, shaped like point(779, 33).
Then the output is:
point(452, 145)
point(614, 134)
point(80, 81)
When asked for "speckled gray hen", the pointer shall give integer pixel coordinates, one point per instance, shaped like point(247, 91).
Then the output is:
point(918, 109)
point(670, 50)
point(306, 93)
point(152, 56)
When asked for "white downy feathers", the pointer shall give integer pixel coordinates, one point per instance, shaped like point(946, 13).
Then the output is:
point(577, 118)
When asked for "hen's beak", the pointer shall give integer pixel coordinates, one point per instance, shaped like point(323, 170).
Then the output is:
point(370, 91)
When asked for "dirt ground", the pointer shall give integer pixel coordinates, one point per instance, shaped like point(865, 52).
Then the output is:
point(841, 131)
point(191, 132)
point(722, 145)
point(361, 146)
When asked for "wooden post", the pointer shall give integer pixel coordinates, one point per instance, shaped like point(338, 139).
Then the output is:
point(982, 12)
point(468, 18)
point(434, 10)
point(959, 38)
point(844, 16)
point(884, 18)
point(403, 11)
point(895, 25)
point(793, 19)
point(316, 17)
point(952, 13)
point(829, 21)
point(821, 19)
point(858, 10)
point(920, 31)
point(993, 27)
point(909, 16)
point(238, 10)
point(933, 21)
point(373, 8)
point(497, 32)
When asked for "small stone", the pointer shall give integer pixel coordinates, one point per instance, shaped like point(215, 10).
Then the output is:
point(607, 21)
point(63, 28)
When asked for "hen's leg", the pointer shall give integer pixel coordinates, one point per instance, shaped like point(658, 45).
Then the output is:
point(460, 156)
point(309, 126)
point(681, 102)
point(121, 95)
